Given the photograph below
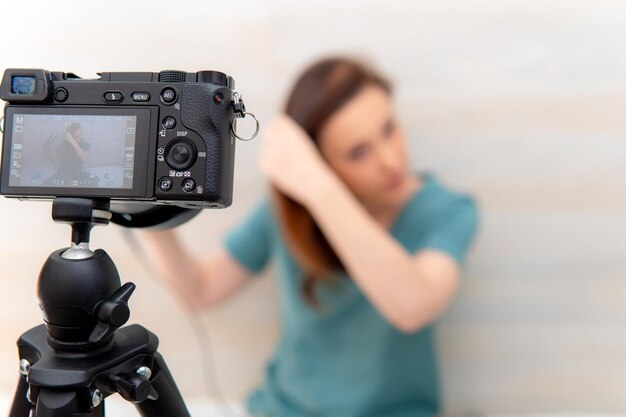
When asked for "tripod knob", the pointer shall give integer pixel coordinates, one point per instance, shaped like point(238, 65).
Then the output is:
point(134, 388)
point(112, 313)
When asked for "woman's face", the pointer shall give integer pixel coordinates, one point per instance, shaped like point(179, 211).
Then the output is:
point(365, 145)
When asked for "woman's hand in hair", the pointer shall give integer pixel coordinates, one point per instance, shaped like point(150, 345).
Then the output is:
point(292, 162)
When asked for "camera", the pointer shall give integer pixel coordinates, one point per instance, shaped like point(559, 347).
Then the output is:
point(139, 149)
point(159, 138)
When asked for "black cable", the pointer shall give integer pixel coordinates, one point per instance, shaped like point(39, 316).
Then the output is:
point(200, 328)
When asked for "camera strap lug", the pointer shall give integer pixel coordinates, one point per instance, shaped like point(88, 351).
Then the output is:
point(238, 106)
point(240, 113)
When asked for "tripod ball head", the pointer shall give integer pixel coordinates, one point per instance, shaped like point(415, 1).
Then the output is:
point(70, 293)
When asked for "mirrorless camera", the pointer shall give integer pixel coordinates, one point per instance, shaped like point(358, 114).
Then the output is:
point(157, 138)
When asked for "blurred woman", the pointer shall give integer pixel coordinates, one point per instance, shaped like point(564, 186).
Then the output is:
point(368, 254)
point(70, 157)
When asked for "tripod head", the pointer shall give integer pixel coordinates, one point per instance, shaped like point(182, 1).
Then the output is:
point(79, 291)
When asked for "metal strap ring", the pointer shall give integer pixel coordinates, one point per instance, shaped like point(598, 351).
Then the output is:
point(256, 130)
point(2, 124)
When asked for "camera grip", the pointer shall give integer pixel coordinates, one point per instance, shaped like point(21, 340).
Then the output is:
point(201, 113)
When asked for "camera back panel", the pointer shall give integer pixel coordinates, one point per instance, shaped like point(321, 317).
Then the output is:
point(147, 137)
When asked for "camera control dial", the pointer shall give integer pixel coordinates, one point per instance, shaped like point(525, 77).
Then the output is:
point(180, 153)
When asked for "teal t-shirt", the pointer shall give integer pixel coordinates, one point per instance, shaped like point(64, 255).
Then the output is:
point(343, 359)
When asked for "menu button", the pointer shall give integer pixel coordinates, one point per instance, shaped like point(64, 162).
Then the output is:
point(141, 96)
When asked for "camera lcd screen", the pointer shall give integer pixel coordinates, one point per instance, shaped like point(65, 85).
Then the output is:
point(21, 84)
point(73, 151)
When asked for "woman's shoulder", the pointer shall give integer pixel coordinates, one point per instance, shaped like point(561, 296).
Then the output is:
point(445, 196)
point(444, 218)
point(438, 201)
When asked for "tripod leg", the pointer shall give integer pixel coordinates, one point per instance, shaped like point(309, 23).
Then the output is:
point(170, 403)
point(20, 406)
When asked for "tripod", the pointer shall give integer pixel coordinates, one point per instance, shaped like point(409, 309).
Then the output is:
point(83, 354)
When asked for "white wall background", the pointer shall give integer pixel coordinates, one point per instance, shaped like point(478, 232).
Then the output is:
point(523, 103)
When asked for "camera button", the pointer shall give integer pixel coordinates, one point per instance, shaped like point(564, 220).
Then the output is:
point(61, 94)
point(113, 97)
point(168, 95)
point(140, 96)
point(180, 154)
point(169, 122)
point(165, 184)
point(189, 185)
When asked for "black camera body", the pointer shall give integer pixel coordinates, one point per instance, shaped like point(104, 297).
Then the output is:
point(157, 138)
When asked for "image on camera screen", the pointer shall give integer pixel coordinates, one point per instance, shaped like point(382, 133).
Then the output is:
point(73, 151)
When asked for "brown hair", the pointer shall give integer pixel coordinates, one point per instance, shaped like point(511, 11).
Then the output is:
point(73, 127)
point(318, 93)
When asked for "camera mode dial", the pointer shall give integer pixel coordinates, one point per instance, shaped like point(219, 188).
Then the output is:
point(181, 153)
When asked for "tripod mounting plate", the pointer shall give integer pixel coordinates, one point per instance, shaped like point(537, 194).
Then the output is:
point(75, 369)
